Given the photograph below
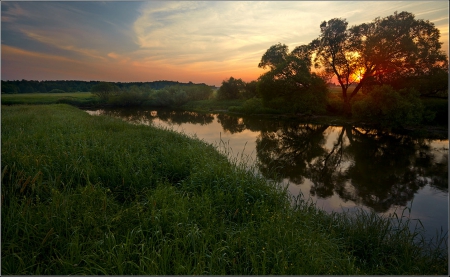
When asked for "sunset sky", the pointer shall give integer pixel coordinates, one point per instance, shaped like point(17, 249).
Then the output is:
point(202, 42)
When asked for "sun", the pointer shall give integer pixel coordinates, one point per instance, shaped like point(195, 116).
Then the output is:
point(358, 75)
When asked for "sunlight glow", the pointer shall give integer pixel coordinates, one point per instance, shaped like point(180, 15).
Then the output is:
point(358, 75)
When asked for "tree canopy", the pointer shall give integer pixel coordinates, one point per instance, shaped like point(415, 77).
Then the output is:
point(290, 84)
point(334, 53)
point(381, 52)
point(275, 55)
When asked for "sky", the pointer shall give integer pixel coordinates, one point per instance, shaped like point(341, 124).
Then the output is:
point(200, 41)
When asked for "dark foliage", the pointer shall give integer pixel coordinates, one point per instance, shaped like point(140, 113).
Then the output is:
point(30, 86)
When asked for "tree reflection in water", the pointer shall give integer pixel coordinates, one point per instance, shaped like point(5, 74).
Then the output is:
point(231, 124)
point(375, 169)
point(146, 116)
point(289, 150)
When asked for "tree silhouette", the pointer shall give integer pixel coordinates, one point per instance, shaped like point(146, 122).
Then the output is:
point(380, 52)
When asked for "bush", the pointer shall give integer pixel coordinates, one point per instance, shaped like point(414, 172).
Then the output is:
point(335, 104)
point(160, 98)
point(126, 99)
point(436, 109)
point(57, 91)
point(199, 92)
point(78, 102)
point(231, 89)
point(253, 106)
point(175, 96)
point(312, 100)
point(104, 90)
point(390, 108)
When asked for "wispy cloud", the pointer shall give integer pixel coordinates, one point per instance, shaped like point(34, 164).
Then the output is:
point(81, 33)
point(189, 32)
point(185, 33)
point(63, 41)
point(176, 40)
point(12, 12)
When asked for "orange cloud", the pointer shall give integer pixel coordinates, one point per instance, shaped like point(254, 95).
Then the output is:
point(55, 41)
point(38, 66)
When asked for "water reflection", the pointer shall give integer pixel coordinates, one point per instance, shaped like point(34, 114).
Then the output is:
point(289, 150)
point(231, 124)
point(370, 168)
point(146, 117)
point(361, 166)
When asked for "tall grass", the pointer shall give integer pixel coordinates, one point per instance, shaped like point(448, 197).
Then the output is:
point(95, 195)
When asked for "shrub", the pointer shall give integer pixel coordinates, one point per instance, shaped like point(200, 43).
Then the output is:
point(127, 99)
point(160, 98)
point(198, 92)
point(104, 90)
point(312, 100)
point(231, 89)
point(175, 96)
point(253, 105)
point(435, 110)
point(390, 108)
point(335, 104)
point(57, 91)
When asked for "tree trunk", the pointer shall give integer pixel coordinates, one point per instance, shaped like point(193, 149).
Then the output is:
point(355, 91)
point(347, 108)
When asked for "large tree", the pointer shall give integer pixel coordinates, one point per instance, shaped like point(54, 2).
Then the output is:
point(275, 55)
point(387, 49)
point(334, 53)
point(290, 84)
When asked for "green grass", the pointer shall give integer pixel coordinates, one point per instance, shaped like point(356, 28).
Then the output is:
point(95, 195)
point(72, 98)
point(335, 90)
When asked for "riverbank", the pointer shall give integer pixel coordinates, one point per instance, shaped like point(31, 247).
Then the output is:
point(96, 195)
point(437, 129)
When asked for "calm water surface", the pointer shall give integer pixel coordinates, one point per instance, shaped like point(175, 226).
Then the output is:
point(338, 167)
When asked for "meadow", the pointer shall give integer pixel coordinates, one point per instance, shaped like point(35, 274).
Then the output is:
point(88, 194)
point(72, 98)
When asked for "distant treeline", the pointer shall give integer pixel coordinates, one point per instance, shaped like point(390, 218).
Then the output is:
point(25, 86)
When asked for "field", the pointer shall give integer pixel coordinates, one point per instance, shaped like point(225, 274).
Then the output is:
point(95, 195)
point(73, 98)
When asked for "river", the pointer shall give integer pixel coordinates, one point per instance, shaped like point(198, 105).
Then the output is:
point(340, 168)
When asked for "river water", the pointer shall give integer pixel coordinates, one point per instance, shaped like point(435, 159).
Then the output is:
point(340, 168)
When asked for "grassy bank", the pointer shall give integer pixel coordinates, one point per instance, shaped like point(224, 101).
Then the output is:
point(95, 195)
